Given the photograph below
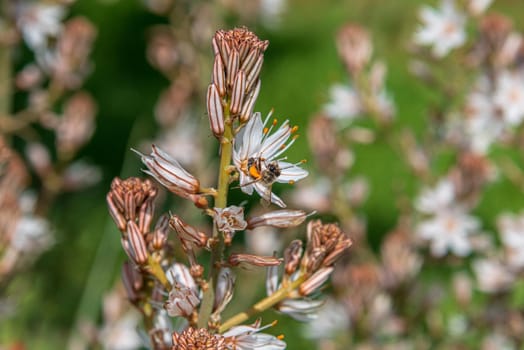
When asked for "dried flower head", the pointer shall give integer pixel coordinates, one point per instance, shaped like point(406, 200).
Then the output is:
point(201, 338)
point(130, 200)
point(325, 244)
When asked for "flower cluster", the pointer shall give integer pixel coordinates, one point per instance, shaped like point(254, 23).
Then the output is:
point(156, 280)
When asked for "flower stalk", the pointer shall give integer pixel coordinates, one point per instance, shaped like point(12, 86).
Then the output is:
point(264, 304)
point(226, 152)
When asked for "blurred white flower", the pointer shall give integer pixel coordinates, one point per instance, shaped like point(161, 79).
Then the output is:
point(32, 233)
point(263, 240)
point(448, 231)
point(497, 341)
point(477, 7)
point(438, 199)
point(122, 334)
point(482, 126)
point(344, 103)
point(492, 276)
point(332, 318)
point(39, 22)
point(511, 229)
point(509, 96)
point(271, 12)
point(443, 28)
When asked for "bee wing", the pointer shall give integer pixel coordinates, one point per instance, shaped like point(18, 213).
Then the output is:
point(266, 193)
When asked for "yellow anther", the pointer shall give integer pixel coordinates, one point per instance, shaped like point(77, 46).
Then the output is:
point(303, 161)
point(275, 121)
point(291, 182)
point(294, 129)
point(280, 337)
point(266, 130)
point(295, 137)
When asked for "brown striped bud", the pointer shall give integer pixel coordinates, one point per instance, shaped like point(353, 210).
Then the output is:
point(219, 77)
point(188, 233)
point(292, 256)
point(249, 103)
point(252, 77)
point(137, 244)
point(314, 282)
point(278, 218)
point(170, 173)
point(237, 97)
point(232, 67)
point(237, 259)
point(132, 280)
point(215, 111)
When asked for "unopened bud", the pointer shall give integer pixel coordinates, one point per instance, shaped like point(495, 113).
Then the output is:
point(187, 232)
point(232, 67)
point(278, 218)
point(237, 259)
point(237, 96)
point(116, 213)
point(249, 103)
point(314, 282)
point(292, 256)
point(215, 111)
point(137, 244)
point(132, 280)
point(170, 173)
point(219, 79)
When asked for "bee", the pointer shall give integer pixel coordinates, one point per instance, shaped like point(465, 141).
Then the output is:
point(264, 172)
point(259, 170)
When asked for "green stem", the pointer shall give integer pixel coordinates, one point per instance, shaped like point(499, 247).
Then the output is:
point(220, 202)
point(263, 304)
point(5, 80)
point(156, 270)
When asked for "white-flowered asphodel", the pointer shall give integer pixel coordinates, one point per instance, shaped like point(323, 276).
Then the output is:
point(257, 156)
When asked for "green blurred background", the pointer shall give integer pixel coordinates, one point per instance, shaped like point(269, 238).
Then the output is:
point(300, 65)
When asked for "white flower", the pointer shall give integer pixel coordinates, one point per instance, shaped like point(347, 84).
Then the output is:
point(32, 234)
point(263, 240)
point(434, 200)
point(477, 7)
point(122, 335)
point(332, 318)
point(272, 11)
point(512, 237)
point(443, 28)
point(509, 96)
point(250, 338)
point(492, 276)
point(448, 231)
point(39, 22)
point(230, 219)
point(257, 157)
point(301, 309)
point(482, 126)
point(344, 103)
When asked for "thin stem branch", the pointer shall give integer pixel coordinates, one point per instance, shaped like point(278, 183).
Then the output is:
point(220, 202)
point(263, 304)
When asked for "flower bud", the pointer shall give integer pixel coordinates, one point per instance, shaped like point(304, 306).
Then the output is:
point(188, 233)
point(170, 173)
point(215, 111)
point(237, 259)
point(278, 218)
